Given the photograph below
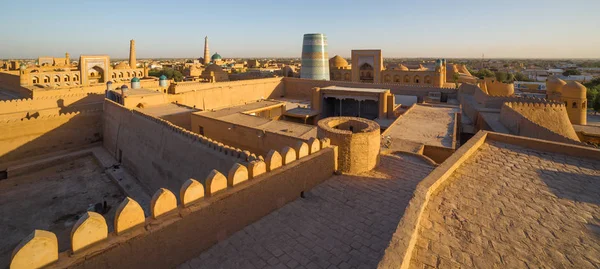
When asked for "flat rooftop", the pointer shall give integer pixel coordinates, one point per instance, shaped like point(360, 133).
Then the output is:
point(345, 222)
point(235, 115)
point(509, 206)
point(223, 112)
point(53, 199)
point(427, 125)
point(276, 126)
point(349, 89)
point(141, 91)
point(166, 109)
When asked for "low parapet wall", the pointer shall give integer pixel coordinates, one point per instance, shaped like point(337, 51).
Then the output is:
point(207, 213)
point(400, 250)
point(23, 138)
point(302, 88)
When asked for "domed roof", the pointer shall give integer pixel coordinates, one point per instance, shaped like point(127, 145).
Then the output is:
point(162, 77)
point(124, 87)
point(216, 56)
point(23, 66)
point(574, 89)
point(109, 82)
point(122, 65)
point(402, 67)
point(338, 62)
point(135, 79)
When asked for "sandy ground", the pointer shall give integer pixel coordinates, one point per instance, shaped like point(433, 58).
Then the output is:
point(52, 199)
point(425, 125)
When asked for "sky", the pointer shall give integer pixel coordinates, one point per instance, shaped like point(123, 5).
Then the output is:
point(255, 28)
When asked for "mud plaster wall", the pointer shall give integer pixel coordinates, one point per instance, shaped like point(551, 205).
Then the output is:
point(243, 137)
point(173, 240)
point(158, 155)
point(28, 138)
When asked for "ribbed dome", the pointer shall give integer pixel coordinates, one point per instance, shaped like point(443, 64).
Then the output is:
point(338, 62)
point(554, 84)
point(135, 79)
point(163, 77)
point(122, 65)
point(216, 56)
point(574, 89)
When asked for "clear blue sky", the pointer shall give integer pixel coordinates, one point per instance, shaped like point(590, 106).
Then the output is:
point(240, 28)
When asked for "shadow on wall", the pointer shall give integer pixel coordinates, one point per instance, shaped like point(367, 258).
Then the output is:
point(36, 136)
point(578, 187)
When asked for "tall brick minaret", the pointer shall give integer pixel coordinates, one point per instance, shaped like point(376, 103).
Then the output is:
point(132, 62)
point(206, 51)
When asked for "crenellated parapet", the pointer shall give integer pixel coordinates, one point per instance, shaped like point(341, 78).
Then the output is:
point(545, 120)
point(90, 236)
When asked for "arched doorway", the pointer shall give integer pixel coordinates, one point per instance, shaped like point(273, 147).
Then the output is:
point(366, 73)
point(96, 75)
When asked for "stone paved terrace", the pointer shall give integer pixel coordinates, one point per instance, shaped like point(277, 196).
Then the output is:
point(345, 222)
point(513, 207)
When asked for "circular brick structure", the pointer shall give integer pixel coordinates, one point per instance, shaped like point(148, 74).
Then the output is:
point(358, 142)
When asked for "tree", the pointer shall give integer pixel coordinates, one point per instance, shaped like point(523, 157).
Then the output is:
point(572, 72)
point(591, 94)
point(596, 104)
point(521, 77)
point(168, 72)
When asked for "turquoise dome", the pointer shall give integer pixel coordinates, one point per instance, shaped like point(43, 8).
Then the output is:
point(163, 77)
point(216, 56)
point(135, 79)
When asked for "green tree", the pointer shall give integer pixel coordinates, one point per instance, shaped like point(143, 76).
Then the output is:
point(168, 72)
point(596, 104)
point(591, 94)
point(521, 77)
point(572, 72)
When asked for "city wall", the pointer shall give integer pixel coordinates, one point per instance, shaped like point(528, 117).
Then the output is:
point(537, 120)
point(180, 229)
point(49, 105)
point(254, 140)
point(159, 153)
point(225, 94)
point(30, 137)
point(302, 88)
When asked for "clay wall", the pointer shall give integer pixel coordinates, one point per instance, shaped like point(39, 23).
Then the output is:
point(10, 80)
point(160, 154)
point(537, 120)
point(45, 134)
point(20, 108)
point(246, 138)
point(225, 94)
point(209, 213)
point(302, 88)
point(438, 154)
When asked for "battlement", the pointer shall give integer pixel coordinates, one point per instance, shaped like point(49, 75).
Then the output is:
point(206, 212)
point(539, 120)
